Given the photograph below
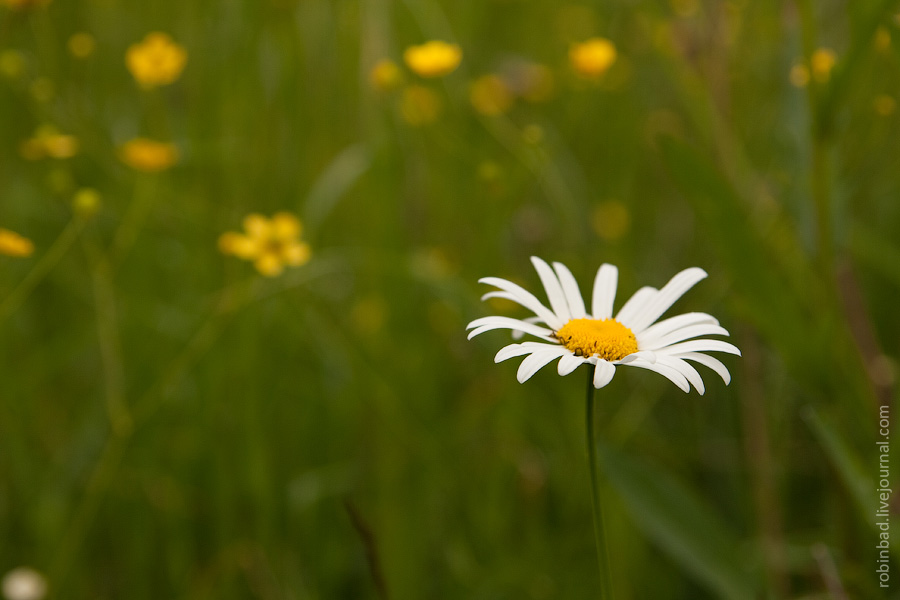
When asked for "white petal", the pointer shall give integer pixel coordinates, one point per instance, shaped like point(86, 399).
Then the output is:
point(571, 290)
point(708, 361)
point(677, 322)
point(603, 373)
point(518, 335)
point(604, 291)
point(634, 305)
point(568, 363)
point(699, 346)
point(666, 297)
point(668, 372)
point(647, 355)
point(526, 299)
point(689, 372)
point(533, 363)
point(554, 290)
point(490, 323)
point(507, 352)
point(685, 333)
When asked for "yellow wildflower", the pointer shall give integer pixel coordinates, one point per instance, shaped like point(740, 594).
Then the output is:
point(13, 244)
point(155, 61)
point(147, 155)
point(271, 244)
point(42, 90)
point(490, 95)
point(48, 142)
point(23, 4)
point(592, 58)
point(822, 62)
point(883, 39)
point(12, 64)
point(535, 83)
point(82, 45)
point(385, 75)
point(86, 202)
point(433, 59)
point(419, 105)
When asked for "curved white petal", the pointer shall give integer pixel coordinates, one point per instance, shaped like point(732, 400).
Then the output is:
point(669, 325)
point(685, 333)
point(603, 373)
point(490, 323)
point(647, 355)
point(708, 361)
point(533, 363)
point(689, 372)
point(507, 352)
point(568, 363)
point(526, 299)
point(554, 290)
point(666, 371)
point(666, 297)
point(699, 346)
point(571, 290)
point(518, 335)
point(604, 291)
point(637, 301)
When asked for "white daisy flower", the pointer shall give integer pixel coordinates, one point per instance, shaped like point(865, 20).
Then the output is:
point(633, 337)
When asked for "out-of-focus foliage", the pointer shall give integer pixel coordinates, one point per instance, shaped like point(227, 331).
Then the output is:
point(175, 424)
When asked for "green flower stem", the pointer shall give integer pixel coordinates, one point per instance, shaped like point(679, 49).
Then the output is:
point(599, 536)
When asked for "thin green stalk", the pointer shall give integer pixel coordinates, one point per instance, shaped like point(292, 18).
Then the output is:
point(51, 257)
point(599, 536)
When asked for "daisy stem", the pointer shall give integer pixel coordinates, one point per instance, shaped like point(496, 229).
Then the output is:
point(599, 536)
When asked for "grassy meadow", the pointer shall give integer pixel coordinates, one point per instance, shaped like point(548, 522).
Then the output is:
point(183, 416)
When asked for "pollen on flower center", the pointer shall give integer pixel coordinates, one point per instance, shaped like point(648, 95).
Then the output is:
point(606, 338)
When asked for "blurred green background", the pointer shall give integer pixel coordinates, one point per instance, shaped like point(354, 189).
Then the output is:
point(175, 425)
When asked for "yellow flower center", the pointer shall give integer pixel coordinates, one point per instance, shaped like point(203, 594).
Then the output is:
point(607, 338)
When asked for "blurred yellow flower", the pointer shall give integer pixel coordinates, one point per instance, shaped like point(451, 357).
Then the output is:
point(23, 4)
point(86, 202)
point(155, 61)
point(884, 105)
point(48, 142)
point(799, 76)
point(147, 155)
point(386, 75)
point(82, 45)
point(593, 57)
point(433, 59)
point(12, 64)
point(611, 220)
point(271, 244)
point(419, 105)
point(822, 62)
point(13, 244)
point(490, 95)
point(536, 83)
point(882, 39)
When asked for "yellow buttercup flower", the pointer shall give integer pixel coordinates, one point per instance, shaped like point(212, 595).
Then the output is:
point(490, 95)
point(593, 57)
point(147, 155)
point(433, 59)
point(49, 142)
point(272, 244)
point(799, 75)
point(822, 62)
point(155, 61)
point(13, 244)
point(385, 75)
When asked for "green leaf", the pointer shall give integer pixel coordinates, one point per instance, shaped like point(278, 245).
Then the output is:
point(682, 525)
